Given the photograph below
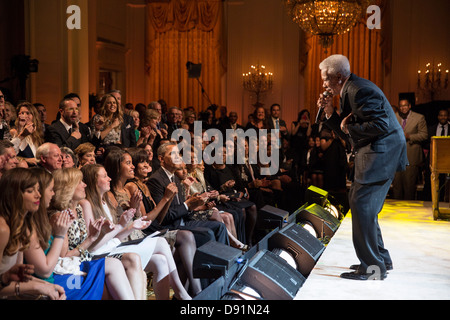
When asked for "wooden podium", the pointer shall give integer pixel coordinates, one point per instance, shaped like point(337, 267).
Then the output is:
point(439, 163)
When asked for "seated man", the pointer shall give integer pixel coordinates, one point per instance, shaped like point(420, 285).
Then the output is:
point(68, 131)
point(49, 157)
point(177, 216)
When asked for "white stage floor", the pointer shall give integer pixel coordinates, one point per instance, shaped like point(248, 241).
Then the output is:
point(420, 250)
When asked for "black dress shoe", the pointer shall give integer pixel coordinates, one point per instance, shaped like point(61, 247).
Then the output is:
point(356, 266)
point(362, 276)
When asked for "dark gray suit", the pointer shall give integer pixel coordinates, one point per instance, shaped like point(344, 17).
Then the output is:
point(177, 216)
point(379, 146)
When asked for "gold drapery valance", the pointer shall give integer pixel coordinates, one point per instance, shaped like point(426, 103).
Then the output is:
point(184, 15)
point(179, 31)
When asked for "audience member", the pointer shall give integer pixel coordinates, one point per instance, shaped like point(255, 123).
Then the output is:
point(177, 216)
point(127, 132)
point(259, 120)
point(275, 122)
point(68, 131)
point(48, 156)
point(10, 114)
point(416, 132)
point(119, 169)
point(27, 135)
point(441, 128)
point(182, 242)
point(300, 131)
point(209, 211)
point(226, 180)
point(85, 153)
point(10, 154)
point(69, 190)
point(69, 158)
point(42, 110)
point(19, 199)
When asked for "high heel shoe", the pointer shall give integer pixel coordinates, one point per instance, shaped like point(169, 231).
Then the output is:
point(244, 248)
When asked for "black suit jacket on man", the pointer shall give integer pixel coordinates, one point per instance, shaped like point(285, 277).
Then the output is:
point(380, 150)
point(56, 133)
point(377, 137)
point(128, 135)
point(178, 215)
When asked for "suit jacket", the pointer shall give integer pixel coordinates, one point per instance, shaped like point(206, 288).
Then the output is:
point(57, 134)
point(377, 138)
point(416, 127)
point(128, 135)
point(157, 184)
point(282, 123)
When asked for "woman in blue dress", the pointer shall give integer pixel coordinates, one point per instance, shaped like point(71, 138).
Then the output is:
point(49, 243)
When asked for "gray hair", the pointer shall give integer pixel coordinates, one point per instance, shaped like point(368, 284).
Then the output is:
point(335, 64)
point(43, 150)
point(163, 148)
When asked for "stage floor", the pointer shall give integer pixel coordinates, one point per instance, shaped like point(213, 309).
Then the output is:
point(419, 247)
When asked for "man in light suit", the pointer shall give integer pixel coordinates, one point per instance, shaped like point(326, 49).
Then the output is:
point(177, 216)
point(416, 133)
point(368, 121)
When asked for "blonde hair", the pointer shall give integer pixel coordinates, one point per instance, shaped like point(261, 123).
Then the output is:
point(66, 181)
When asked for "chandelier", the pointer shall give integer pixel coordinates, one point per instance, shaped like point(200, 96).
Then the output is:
point(258, 81)
point(432, 82)
point(326, 18)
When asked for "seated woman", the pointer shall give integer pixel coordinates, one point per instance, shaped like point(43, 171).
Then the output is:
point(28, 134)
point(209, 210)
point(224, 179)
point(118, 169)
point(19, 199)
point(69, 159)
point(85, 153)
point(181, 241)
point(68, 189)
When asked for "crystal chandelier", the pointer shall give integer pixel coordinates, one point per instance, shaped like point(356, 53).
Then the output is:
point(258, 81)
point(326, 18)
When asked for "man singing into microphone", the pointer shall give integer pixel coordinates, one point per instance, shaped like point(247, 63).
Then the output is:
point(367, 120)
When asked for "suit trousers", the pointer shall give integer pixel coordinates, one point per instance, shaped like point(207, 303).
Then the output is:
point(405, 183)
point(366, 202)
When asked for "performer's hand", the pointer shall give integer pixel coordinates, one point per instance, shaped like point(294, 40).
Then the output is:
point(344, 123)
point(326, 102)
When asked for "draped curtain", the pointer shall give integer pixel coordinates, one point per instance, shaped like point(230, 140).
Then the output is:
point(367, 50)
point(179, 31)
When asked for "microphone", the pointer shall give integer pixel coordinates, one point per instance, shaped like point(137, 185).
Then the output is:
point(319, 114)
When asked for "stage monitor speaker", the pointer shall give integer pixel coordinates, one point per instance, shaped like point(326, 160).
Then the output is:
point(302, 246)
point(316, 195)
point(213, 291)
point(213, 259)
point(293, 216)
point(271, 217)
point(324, 223)
point(272, 277)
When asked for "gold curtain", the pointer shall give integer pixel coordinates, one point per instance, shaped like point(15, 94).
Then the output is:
point(367, 50)
point(177, 32)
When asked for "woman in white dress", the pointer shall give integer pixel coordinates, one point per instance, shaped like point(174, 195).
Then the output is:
point(155, 252)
